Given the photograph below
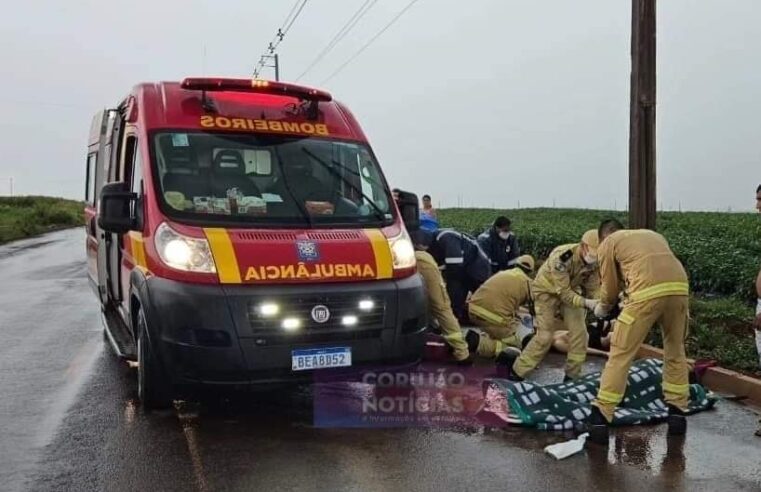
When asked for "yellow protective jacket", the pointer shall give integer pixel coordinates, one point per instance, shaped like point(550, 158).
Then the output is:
point(439, 305)
point(565, 275)
point(499, 298)
point(642, 261)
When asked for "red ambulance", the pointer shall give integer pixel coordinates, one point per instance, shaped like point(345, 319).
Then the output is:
point(241, 232)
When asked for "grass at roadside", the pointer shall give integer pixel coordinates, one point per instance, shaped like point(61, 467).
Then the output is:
point(721, 252)
point(26, 216)
point(720, 329)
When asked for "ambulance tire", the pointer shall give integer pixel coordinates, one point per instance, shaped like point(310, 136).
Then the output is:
point(153, 389)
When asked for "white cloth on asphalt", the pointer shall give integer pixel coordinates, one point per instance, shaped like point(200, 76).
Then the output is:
point(565, 449)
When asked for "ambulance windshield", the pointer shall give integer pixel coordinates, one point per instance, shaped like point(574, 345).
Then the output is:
point(278, 180)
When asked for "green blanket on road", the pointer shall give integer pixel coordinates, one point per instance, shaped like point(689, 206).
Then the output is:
point(563, 406)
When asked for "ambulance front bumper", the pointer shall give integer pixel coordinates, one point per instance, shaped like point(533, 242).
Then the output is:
point(231, 335)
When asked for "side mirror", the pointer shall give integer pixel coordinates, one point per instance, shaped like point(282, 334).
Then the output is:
point(409, 207)
point(116, 205)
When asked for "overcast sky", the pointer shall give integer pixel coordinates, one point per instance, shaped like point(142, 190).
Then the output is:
point(490, 102)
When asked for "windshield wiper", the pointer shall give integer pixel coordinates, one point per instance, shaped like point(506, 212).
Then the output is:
point(355, 173)
point(378, 212)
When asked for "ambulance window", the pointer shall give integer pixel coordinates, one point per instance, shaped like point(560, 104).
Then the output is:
point(129, 157)
point(92, 161)
point(137, 174)
point(137, 187)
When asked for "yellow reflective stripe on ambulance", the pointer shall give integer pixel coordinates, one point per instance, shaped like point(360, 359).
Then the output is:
point(609, 397)
point(661, 290)
point(224, 255)
point(677, 389)
point(487, 315)
point(384, 264)
point(137, 246)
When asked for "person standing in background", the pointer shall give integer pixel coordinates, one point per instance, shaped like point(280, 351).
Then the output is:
point(757, 321)
point(500, 245)
point(429, 220)
point(428, 208)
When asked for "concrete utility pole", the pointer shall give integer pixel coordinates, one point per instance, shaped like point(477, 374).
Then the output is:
point(642, 198)
point(275, 64)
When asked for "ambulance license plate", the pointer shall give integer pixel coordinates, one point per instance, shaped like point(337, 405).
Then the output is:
point(320, 358)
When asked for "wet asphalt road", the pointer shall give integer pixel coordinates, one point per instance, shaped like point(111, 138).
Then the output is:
point(69, 421)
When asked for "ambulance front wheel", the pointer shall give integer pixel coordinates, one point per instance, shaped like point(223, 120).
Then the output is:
point(153, 389)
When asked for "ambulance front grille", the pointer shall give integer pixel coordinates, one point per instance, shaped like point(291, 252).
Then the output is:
point(267, 236)
point(285, 236)
point(336, 235)
point(340, 306)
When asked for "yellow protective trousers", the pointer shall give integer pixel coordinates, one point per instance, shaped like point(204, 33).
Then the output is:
point(500, 331)
point(634, 324)
point(552, 315)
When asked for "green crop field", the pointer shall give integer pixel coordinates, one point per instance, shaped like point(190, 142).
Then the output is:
point(721, 252)
point(26, 216)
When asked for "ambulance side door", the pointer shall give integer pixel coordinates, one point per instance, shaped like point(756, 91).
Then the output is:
point(109, 243)
point(102, 174)
point(133, 174)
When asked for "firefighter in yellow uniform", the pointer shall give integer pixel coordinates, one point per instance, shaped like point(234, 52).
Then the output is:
point(657, 291)
point(570, 271)
point(439, 307)
point(494, 308)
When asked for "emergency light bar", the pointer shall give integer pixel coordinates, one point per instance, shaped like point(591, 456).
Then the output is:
point(256, 86)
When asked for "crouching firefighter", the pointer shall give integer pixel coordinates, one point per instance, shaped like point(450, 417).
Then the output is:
point(569, 272)
point(656, 292)
point(494, 308)
point(439, 306)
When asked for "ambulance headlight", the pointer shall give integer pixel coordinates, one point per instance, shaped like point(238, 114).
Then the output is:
point(402, 252)
point(185, 253)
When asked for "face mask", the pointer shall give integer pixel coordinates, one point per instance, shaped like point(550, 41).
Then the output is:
point(504, 235)
point(590, 259)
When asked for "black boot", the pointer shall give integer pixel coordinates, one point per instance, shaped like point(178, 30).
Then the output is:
point(505, 361)
point(525, 341)
point(595, 335)
point(472, 338)
point(676, 421)
point(567, 379)
point(597, 426)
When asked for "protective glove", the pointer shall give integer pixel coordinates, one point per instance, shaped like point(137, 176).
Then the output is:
point(602, 310)
point(591, 304)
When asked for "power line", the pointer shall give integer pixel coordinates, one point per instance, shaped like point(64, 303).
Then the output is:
point(279, 35)
point(348, 26)
point(293, 9)
point(288, 27)
point(371, 41)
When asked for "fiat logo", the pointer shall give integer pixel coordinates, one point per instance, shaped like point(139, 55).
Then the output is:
point(320, 313)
